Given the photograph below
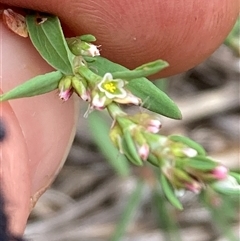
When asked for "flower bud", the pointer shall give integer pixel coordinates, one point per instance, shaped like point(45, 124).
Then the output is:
point(180, 150)
point(140, 143)
point(80, 87)
point(79, 47)
point(65, 88)
point(154, 126)
point(65, 94)
point(220, 172)
point(194, 186)
point(99, 101)
point(143, 151)
point(74, 45)
point(90, 50)
point(189, 152)
point(116, 137)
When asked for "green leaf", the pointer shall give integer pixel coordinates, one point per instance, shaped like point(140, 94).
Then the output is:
point(226, 190)
point(48, 39)
point(202, 163)
point(169, 192)
point(187, 141)
point(102, 65)
point(128, 144)
point(130, 149)
point(99, 130)
point(127, 214)
point(153, 98)
point(229, 186)
point(141, 71)
point(153, 160)
point(38, 85)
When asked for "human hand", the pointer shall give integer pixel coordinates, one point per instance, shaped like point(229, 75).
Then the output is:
point(132, 33)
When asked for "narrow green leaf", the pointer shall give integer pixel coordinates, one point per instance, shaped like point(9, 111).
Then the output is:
point(128, 212)
point(187, 141)
point(130, 149)
point(153, 160)
point(99, 130)
point(202, 163)
point(48, 39)
point(153, 98)
point(128, 144)
point(102, 65)
point(169, 192)
point(227, 190)
point(38, 85)
point(141, 71)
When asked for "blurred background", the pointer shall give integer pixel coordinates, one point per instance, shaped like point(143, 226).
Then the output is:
point(99, 196)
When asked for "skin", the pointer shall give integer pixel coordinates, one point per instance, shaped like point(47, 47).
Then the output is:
point(183, 32)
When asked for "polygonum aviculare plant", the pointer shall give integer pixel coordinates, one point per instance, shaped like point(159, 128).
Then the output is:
point(181, 162)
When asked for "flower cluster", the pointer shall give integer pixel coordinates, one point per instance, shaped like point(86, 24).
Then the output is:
point(99, 91)
point(183, 162)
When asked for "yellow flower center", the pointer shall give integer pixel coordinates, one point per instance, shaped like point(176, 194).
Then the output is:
point(111, 87)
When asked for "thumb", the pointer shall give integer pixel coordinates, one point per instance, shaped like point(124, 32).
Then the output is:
point(182, 32)
point(38, 131)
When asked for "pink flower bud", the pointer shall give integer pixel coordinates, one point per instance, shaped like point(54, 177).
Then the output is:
point(220, 172)
point(143, 151)
point(194, 187)
point(86, 96)
point(65, 94)
point(154, 126)
point(98, 102)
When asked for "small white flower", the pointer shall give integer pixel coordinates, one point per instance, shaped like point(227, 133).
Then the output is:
point(112, 88)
